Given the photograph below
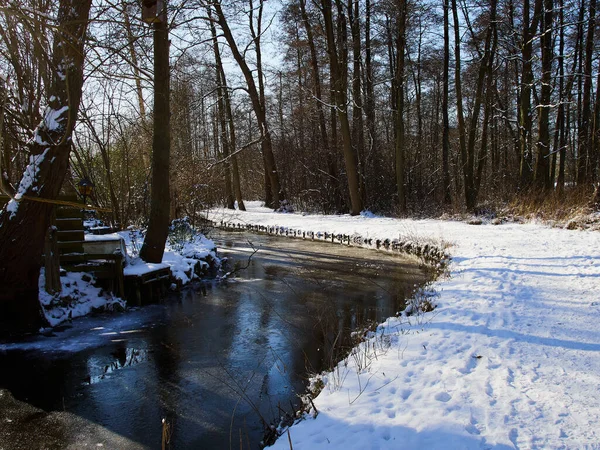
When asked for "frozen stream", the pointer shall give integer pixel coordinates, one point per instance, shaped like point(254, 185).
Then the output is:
point(212, 360)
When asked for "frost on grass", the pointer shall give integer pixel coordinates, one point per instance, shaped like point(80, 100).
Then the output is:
point(79, 297)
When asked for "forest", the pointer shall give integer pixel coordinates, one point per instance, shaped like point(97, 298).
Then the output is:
point(403, 107)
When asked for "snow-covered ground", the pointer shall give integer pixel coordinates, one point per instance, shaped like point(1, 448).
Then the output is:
point(79, 297)
point(180, 257)
point(510, 358)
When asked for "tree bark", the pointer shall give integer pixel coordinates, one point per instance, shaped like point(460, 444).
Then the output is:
point(459, 97)
point(542, 168)
point(585, 157)
point(333, 193)
point(447, 189)
point(222, 121)
point(399, 149)
point(23, 224)
point(340, 85)
point(358, 134)
point(160, 202)
point(526, 163)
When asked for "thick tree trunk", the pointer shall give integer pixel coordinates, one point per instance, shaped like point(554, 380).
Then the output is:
point(23, 224)
point(358, 135)
point(158, 227)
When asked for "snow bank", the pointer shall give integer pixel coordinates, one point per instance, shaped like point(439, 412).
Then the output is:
point(510, 358)
point(78, 298)
point(181, 259)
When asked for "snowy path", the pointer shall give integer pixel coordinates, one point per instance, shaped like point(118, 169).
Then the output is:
point(509, 359)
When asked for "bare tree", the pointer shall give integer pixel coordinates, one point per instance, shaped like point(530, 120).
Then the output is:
point(158, 227)
point(25, 219)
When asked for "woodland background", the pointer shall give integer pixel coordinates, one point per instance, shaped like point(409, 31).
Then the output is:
point(402, 107)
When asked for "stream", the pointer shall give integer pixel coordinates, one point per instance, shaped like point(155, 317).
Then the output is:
point(216, 361)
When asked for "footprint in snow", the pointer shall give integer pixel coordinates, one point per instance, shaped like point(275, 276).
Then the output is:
point(443, 397)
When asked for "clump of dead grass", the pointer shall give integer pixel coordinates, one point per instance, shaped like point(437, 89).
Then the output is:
point(571, 209)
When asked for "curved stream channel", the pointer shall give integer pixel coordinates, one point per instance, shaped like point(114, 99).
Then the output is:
point(212, 360)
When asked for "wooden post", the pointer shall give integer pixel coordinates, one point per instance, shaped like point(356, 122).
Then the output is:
point(119, 274)
point(51, 261)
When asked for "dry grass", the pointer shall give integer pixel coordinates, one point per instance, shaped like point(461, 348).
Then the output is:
point(572, 209)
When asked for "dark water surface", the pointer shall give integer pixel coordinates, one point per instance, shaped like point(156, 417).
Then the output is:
point(211, 361)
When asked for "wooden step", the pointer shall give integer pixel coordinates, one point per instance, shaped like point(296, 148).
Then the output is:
point(69, 224)
point(70, 235)
point(68, 259)
point(74, 258)
point(101, 270)
point(70, 247)
point(66, 212)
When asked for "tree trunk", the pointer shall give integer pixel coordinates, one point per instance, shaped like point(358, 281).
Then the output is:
point(259, 108)
point(559, 132)
point(160, 202)
point(340, 85)
point(369, 90)
point(526, 164)
point(399, 149)
point(489, 56)
point(52, 261)
point(23, 224)
point(358, 135)
point(333, 193)
point(585, 157)
point(542, 168)
point(459, 98)
point(447, 189)
point(224, 138)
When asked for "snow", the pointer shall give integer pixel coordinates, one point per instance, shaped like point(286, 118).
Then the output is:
point(53, 117)
point(103, 237)
point(78, 298)
point(138, 267)
point(180, 260)
point(510, 358)
point(27, 181)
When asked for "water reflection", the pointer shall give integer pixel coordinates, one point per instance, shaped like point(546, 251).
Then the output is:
point(220, 361)
point(124, 357)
